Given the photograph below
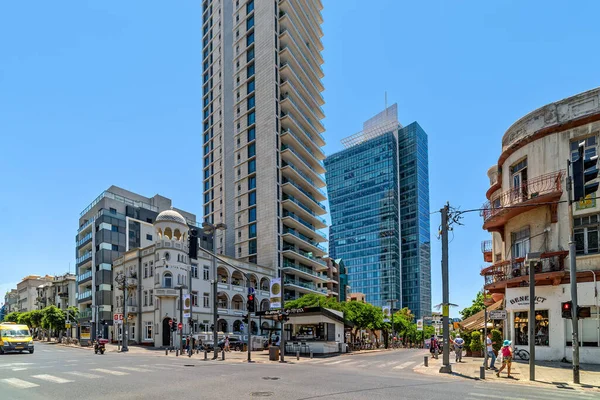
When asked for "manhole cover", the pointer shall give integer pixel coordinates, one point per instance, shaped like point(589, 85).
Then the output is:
point(188, 365)
point(270, 378)
point(261, 394)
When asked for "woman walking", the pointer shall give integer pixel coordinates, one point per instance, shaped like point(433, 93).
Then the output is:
point(507, 355)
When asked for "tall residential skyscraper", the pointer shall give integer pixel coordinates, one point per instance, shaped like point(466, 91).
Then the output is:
point(262, 134)
point(379, 201)
point(116, 221)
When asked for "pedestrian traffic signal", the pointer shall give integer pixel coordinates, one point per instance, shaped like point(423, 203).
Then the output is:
point(567, 309)
point(250, 304)
point(245, 319)
point(193, 244)
point(212, 327)
point(584, 172)
point(180, 326)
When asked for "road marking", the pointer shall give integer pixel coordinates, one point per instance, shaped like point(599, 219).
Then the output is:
point(387, 364)
point(51, 378)
point(404, 365)
point(335, 362)
point(110, 371)
point(72, 361)
point(84, 375)
point(317, 361)
point(134, 369)
point(19, 383)
point(19, 369)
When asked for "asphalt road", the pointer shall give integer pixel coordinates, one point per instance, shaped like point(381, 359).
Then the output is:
point(56, 372)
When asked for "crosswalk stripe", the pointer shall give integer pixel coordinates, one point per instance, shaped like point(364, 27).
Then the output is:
point(51, 378)
point(19, 383)
point(134, 369)
point(335, 362)
point(528, 396)
point(110, 371)
point(404, 365)
point(387, 364)
point(317, 361)
point(84, 375)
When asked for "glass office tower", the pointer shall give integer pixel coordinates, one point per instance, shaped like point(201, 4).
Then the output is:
point(379, 201)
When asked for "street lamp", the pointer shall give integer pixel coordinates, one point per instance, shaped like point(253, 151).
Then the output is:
point(180, 288)
point(209, 228)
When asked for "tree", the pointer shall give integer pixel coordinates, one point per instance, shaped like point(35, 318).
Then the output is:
point(475, 307)
point(25, 318)
point(476, 345)
point(12, 317)
point(497, 337)
point(53, 319)
point(315, 300)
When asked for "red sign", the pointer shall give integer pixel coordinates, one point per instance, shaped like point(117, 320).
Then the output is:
point(170, 322)
point(118, 317)
point(179, 326)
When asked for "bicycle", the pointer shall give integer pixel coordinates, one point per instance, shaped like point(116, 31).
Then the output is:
point(522, 354)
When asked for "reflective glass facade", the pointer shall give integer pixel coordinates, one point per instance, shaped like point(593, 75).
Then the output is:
point(379, 203)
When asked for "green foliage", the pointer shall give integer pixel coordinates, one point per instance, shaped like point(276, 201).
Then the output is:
point(467, 339)
point(12, 317)
point(497, 337)
point(315, 300)
point(25, 318)
point(476, 344)
point(475, 307)
point(36, 318)
point(53, 319)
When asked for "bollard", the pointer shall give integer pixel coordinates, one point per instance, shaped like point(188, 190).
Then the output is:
point(311, 354)
point(297, 355)
point(222, 355)
point(426, 361)
point(482, 372)
point(177, 353)
point(205, 355)
point(166, 352)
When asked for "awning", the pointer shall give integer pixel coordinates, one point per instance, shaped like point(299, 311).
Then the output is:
point(475, 322)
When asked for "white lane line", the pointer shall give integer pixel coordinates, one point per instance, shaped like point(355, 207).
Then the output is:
point(46, 351)
point(387, 364)
point(110, 371)
point(51, 378)
point(19, 369)
point(335, 362)
point(134, 369)
point(19, 383)
point(317, 361)
point(83, 375)
point(404, 365)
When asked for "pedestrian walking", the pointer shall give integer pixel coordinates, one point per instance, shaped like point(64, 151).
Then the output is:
point(490, 350)
point(507, 355)
point(226, 344)
point(433, 346)
point(458, 347)
point(277, 341)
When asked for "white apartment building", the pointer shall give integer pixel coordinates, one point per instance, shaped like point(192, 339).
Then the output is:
point(154, 274)
point(28, 291)
point(262, 135)
point(531, 175)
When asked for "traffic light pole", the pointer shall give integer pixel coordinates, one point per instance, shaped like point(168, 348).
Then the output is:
point(446, 367)
point(125, 348)
point(249, 319)
point(180, 318)
point(573, 278)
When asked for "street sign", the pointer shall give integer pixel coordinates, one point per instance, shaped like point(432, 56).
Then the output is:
point(117, 317)
point(497, 314)
point(419, 325)
point(170, 322)
point(118, 322)
point(241, 327)
point(251, 290)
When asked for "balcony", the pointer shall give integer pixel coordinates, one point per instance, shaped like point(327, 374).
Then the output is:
point(514, 273)
point(304, 165)
point(288, 73)
point(311, 124)
point(304, 272)
point(289, 122)
point(303, 287)
point(293, 221)
point(86, 313)
point(166, 292)
point(294, 205)
point(113, 196)
point(85, 226)
point(301, 240)
point(287, 57)
point(287, 40)
point(131, 309)
point(86, 276)
point(310, 29)
point(486, 249)
point(83, 259)
point(311, 152)
point(535, 192)
point(84, 296)
point(84, 240)
point(312, 109)
point(312, 193)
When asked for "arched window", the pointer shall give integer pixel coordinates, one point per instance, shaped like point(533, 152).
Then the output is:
point(168, 280)
point(177, 234)
point(167, 256)
point(168, 233)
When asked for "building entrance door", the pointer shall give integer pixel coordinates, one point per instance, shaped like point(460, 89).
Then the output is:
point(166, 332)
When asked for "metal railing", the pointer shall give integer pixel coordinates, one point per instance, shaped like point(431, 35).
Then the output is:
point(85, 225)
point(87, 313)
point(305, 285)
point(84, 295)
point(306, 192)
point(509, 269)
point(320, 162)
point(289, 264)
point(84, 276)
point(297, 108)
point(84, 257)
point(303, 222)
point(84, 239)
point(122, 199)
point(304, 160)
point(304, 207)
point(486, 246)
point(303, 237)
point(529, 190)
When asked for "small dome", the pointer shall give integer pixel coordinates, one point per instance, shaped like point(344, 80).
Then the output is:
point(171, 216)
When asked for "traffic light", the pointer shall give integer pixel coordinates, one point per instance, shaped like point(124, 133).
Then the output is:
point(566, 309)
point(193, 244)
point(245, 319)
point(584, 171)
point(180, 326)
point(212, 327)
point(191, 322)
point(251, 303)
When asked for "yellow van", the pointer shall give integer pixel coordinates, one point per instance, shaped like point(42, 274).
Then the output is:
point(15, 337)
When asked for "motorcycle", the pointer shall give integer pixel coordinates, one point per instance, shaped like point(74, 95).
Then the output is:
point(100, 346)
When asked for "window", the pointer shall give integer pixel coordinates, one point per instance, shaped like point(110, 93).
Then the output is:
point(113, 210)
point(520, 243)
point(250, 39)
point(250, 55)
point(145, 298)
point(251, 150)
point(589, 149)
point(250, 87)
point(148, 237)
point(541, 328)
point(195, 299)
point(252, 231)
point(205, 300)
point(194, 271)
point(521, 326)
point(252, 118)
point(167, 256)
point(586, 234)
point(145, 270)
point(252, 166)
point(250, 22)
point(252, 246)
point(250, 70)
point(251, 134)
point(252, 215)
point(251, 102)
point(114, 228)
point(151, 268)
point(148, 331)
point(249, 6)
point(252, 183)
point(589, 329)
point(151, 297)
point(206, 273)
point(252, 198)
point(168, 280)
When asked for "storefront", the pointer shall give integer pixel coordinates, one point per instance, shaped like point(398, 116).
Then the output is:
point(552, 332)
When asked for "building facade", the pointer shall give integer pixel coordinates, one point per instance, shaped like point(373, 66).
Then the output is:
point(116, 221)
point(11, 301)
point(379, 201)
point(527, 211)
point(337, 285)
point(262, 135)
point(27, 291)
point(154, 274)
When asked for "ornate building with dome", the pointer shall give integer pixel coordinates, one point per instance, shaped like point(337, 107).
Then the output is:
point(158, 274)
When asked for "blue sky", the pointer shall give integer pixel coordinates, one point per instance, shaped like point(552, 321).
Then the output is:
point(100, 93)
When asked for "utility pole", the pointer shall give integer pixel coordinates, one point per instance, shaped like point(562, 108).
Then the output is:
point(446, 367)
point(532, 259)
point(215, 288)
point(392, 301)
point(125, 347)
point(249, 308)
point(282, 338)
point(573, 278)
point(181, 318)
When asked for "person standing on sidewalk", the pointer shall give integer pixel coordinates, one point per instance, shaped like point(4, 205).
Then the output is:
point(507, 355)
point(458, 346)
point(226, 344)
point(490, 350)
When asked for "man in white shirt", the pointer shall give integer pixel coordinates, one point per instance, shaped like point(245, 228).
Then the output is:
point(490, 350)
point(458, 347)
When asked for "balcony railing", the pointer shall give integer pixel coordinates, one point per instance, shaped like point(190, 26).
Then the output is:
point(306, 192)
point(304, 160)
point(510, 269)
point(84, 239)
point(299, 125)
point(320, 162)
point(84, 258)
point(85, 225)
point(486, 246)
point(87, 313)
point(528, 191)
point(122, 199)
point(303, 237)
point(289, 264)
point(303, 222)
point(84, 295)
point(84, 276)
point(305, 285)
point(304, 207)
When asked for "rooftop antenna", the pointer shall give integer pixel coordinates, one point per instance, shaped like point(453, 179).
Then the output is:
point(385, 96)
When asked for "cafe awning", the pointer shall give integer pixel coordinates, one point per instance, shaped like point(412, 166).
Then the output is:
point(475, 322)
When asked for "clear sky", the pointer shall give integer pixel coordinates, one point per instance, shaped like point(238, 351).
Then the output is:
point(94, 93)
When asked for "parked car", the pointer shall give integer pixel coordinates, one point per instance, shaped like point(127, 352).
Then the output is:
point(234, 344)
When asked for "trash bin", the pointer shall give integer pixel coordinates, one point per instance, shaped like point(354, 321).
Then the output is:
point(273, 353)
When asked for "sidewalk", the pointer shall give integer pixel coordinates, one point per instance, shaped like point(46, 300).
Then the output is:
point(547, 373)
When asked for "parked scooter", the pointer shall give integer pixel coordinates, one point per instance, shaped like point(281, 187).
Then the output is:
point(100, 346)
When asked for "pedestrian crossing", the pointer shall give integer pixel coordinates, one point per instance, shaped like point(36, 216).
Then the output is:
point(484, 391)
point(36, 380)
point(362, 363)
